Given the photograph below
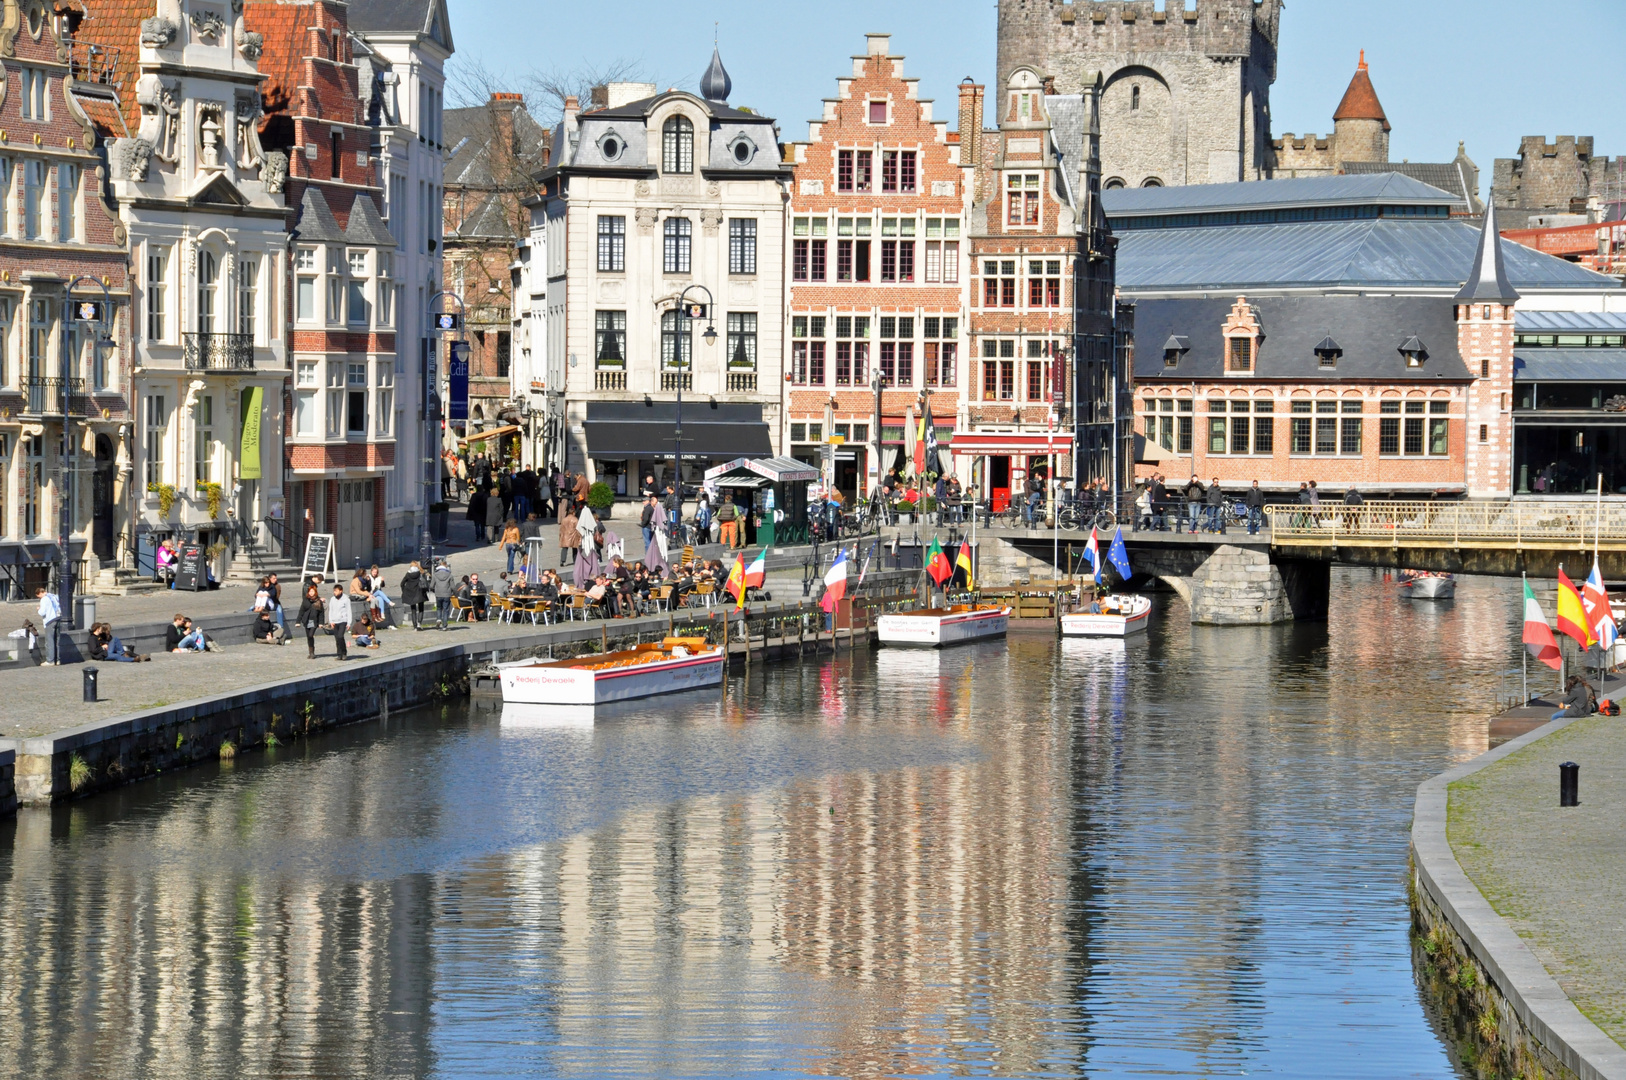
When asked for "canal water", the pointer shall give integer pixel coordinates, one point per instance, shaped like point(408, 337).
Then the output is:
point(1184, 856)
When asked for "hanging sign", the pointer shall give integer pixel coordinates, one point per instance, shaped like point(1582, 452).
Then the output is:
point(457, 380)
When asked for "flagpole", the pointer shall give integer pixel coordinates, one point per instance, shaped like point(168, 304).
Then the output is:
point(1525, 652)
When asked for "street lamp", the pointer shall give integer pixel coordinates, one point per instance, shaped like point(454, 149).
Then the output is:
point(83, 311)
point(439, 322)
point(685, 313)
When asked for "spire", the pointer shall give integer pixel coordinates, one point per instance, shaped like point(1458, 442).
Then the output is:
point(1487, 281)
point(1360, 101)
point(715, 83)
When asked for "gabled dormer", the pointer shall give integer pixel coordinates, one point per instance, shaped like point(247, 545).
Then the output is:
point(1243, 336)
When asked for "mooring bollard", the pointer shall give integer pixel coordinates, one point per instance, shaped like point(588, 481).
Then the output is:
point(1569, 784)
point(90, 684)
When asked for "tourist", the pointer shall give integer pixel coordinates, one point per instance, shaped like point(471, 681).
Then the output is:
point(265, 631)
point(365, 633)
point(1302, 517)
point(105, 645)
point(570, 537)
point(1352, 517)
point(338, 620)
point(174, 632)
point(477, 512)
point(440, 582)
point(1216, 508)
point(311, 617)
point(531, 527)
point(192, 638)
point(415, 593)
point(478, 596)
point(164, 560)
point(1194, 500)
point(50, 613)
point(646, 520)
point(544, 495)
point(360, 594)
point(494, 515)
point(727, 519)
point(1254, 500)
point(512, 542)
point(580, 490)
point(1578, 699)
point(274, 587)
point(380, 599)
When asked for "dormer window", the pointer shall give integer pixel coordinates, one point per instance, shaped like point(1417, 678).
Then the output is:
point(1174, 349)
point(744, 150)
point(1240, 355)
point(1243, 336)
point(611, 146)
point(677, 145)
point(1327, 353)
point(1414, 351)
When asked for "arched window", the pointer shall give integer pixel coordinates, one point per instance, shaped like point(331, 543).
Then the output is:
point(208, 282)
point(1134, 98)
point(1112, 183)
point(677, 145)
point(1151, 181)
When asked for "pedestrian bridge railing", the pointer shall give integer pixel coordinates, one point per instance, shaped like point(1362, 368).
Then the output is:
point(1474, 523)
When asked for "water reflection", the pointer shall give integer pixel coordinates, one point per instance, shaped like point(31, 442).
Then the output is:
point(1184, 854)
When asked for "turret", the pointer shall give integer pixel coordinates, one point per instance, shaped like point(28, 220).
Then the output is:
point(1360, 130)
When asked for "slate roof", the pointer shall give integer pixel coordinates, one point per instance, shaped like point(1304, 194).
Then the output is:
point(489, 221)
point(1569, 365)
point(1379, 189)
point(393, 16)
point(316, 221)
point(366, 227)
point(469, 132)
point(1487, 278)
point(1369, 329)
point(637, 110)
point(1430, 253)
point(1446, 175)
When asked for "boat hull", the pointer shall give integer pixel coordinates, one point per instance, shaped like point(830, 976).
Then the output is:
point(937, 631)
point(1083, 624)
point(546, 685)
point(1433, 588)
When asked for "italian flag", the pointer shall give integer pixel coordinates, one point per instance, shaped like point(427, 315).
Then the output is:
point(1538, 636)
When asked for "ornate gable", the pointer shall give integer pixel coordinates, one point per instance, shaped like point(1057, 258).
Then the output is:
point(1243, 336)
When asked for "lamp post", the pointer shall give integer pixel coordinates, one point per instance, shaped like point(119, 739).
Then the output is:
point(439, 322)
point(686, 312)
point(875, 491)
point(85, 311)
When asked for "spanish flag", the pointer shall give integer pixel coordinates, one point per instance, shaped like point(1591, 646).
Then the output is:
point(962, 562)
point(1572, 613)
point(735, 585)
point(937, 564)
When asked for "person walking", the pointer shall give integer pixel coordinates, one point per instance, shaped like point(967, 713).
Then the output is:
point(544, 494)
point(646, 520)
point(338, 620)
point(580, 490)
point(512, 542)
point(441, 584)
point(570, 536)
point(1254, 500)
point(1160, 503)
point(50, 613)
point(414, 594)
point(311, 616)
point(1216, 508)
point(493, 516)
point(1352, 517)
point(1302, 517)
point(1194, 500)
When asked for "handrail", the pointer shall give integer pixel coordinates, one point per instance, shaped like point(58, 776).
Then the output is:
point(1468, 523)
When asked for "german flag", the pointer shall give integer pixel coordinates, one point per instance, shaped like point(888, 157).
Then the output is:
point(937, 564)
point(962, 564)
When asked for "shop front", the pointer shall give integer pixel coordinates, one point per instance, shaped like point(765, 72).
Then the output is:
point(775, 490)
point(1002, 462)
point(626, 441)
point(1569, 421)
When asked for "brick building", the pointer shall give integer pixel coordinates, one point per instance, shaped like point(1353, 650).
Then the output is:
point(64, 402)
point(340, 290)
point(1186, 95)
point(877, 272)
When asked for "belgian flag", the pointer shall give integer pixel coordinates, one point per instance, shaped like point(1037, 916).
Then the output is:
point(937, 564)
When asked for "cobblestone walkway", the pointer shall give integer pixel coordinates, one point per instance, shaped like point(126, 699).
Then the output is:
point(1558, 876)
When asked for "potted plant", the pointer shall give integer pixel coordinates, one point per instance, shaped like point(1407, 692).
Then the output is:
point(166, 498)
point(439, 514)
point(906, 511)
point(599, 499)
point(212, 494)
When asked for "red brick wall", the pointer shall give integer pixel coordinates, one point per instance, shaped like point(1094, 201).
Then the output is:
point(1486, 346)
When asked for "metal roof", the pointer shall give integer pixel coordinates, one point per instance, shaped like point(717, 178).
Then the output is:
point(1445, 175)
point(1569, 365)
point(776, 470)
point(1371, 253)
point(1571, 322)
point(1372, 189)
point(1487, 280)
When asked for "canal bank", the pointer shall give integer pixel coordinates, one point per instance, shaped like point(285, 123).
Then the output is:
point(1517, 905)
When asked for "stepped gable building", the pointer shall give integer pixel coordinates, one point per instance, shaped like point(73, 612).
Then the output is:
point(648, 195)
point(1321, 328)
point(404, 46)
point(1186, 98)
point(340, 288)
point(200, 207)
point(65, 417)
point(1359, 145)
point(877, 289)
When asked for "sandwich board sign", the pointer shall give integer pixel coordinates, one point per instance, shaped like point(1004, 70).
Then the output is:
point(319, 557)
point(189, 573)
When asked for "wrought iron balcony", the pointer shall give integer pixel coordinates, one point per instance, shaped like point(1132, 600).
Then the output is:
point(52, 396)
point(218, 352)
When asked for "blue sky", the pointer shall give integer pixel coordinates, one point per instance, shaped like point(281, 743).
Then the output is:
point(1445, 70)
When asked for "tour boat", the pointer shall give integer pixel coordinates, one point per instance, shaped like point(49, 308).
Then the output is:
point(936, 627)
point(1120, 616)
point(673, 665)
point(1425, 585)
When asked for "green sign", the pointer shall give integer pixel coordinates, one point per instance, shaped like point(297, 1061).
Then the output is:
point(248, 460)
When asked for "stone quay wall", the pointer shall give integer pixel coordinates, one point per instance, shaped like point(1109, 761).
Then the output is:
point(1506, 1014)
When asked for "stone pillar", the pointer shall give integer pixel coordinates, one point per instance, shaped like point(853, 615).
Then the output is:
point(1239, 587)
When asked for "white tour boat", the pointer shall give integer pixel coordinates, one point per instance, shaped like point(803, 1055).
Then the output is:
point(673, 665)
point(1428, 586)
point(1120, 616)
point(935, 627)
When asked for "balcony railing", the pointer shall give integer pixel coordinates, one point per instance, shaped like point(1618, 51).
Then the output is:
point(740, 382)
point(677, 380)
point(89, 62)
point(45, 395)
point(218, 352)
point(610, 380)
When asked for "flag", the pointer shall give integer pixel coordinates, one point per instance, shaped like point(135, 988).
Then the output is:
point(1595, 598)
point(927, 444)
point(920, 446)
point(1538, 636)
point(1118, 555)
point(864, 568)
point(937, 564)
point(962, 561)
point(735, 585)
point(1093, 550)
point(1571, 612)
point(757, 572)
point(835, 582)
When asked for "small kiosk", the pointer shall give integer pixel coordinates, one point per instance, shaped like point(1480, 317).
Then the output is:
point(775, 491)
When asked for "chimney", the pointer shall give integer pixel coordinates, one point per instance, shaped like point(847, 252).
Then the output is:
point(502, 112)
point(568, 123)
point(970, 122)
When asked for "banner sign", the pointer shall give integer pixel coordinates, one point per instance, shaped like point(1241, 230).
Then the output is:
point(248, 458)
point(457, 379)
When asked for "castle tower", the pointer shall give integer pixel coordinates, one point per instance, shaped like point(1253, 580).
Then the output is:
point(1360, 130)
point(1186, 96)
point(1484, 310)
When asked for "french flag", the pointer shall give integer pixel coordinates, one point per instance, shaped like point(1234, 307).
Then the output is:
point(835, 582)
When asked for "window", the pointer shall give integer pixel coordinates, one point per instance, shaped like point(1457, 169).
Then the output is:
point(1389, 427)
point(248, 276)
point(999, 283)
point(335, 399)
point(305, 400)
point(612, 244)
point(1239, 354)
point(742, 340)
point(1264, 427)
point(1134, 99)
point(153, 422)
point(34, 94)
point(610, 339)
point(1484, 433)
point(1022, 199)
point(807, 362)
point(33, 199)
point(852, 353)
point(1326, 427)
point(356, 290)
point(897, 171)
point(677, 145)
point(336, 154)
point(505, 352)
point(1036, 379)
point(1300, 443)
point(386, 289)
point(1044, 283)
point(897, 256)
point(67, 200)
point(5, 200)
point(386, 394)
point(6, 374)
point(356, 390)
point(671, 359)
point(677, 240)
point(998, 373)
point(208, 282)
point(33, 483)
point(942, 257)
point(852, 256)
point(877, 111)
point(742, 245)
point(203, 440)
point(941, 352)
point(335, 298)
point(1349, 428)
point(395, 211)
point(157, 283)
point(854, 170)
point(1439, 428)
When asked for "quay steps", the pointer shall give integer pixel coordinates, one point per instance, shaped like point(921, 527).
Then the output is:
point(252, 562)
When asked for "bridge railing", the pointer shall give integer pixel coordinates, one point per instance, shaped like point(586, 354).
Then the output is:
point(1473, 523)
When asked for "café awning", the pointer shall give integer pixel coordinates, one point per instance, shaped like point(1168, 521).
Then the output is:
point(975, 443)
point(752, 472)
point(489, 433)
point(620, 439)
